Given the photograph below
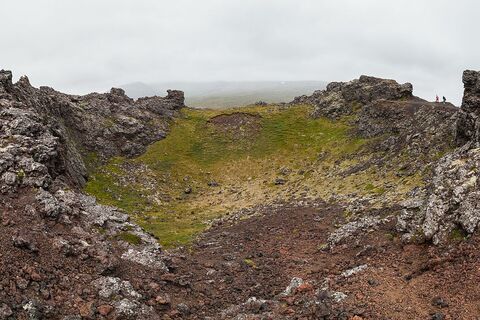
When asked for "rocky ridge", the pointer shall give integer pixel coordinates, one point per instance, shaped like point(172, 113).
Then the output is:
point(447, 206)
point(63, 256)
point(341, 98)
point(88, 128)
point(389, 111)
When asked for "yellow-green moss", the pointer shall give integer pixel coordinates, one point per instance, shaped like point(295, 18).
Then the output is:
point(91, 161)
point(458, 234)
point(130, 238)
point(196, 152)
point(250, 263)
point(20, 174)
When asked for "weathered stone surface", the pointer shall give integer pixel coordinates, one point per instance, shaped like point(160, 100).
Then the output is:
point(59, 130)
point(450, 201)
point(341, 98)
point(44, 138)
point(110, 286)
point(354, 227)
point(5, 83)
point(468, 125)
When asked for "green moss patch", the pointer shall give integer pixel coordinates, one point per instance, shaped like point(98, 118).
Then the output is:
point(280, 142)
point(130, 238)
point(458, 234)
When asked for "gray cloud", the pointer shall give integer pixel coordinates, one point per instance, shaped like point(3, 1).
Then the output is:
point(82, 46)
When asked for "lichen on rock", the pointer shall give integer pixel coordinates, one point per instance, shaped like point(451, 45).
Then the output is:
point(451, 198)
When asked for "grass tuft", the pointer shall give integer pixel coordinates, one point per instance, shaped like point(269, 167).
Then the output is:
point(131, 238)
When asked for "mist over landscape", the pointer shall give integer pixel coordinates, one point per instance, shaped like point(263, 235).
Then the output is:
point(427, 43)
point(239, 160)
point(228, 93)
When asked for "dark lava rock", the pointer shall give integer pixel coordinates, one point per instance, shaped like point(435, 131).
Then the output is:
point(448, 203)
point(45, 136)
point(5, 311)
point(94, 126)
point(341, 98)
point(438, 316)
point(373, 282)
point(439, 302)
point(468, 125)
point(213, 183)
point(183, 309)
point(22, 243)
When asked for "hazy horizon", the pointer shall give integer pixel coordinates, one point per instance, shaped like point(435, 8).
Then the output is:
point(216, 94)
point(80, 47)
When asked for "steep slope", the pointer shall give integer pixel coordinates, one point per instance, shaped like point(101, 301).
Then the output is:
point(448, 205)
point(63, 256)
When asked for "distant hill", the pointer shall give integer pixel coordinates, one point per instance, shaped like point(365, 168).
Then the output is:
point(227, 93)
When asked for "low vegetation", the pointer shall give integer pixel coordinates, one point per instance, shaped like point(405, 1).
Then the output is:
point(205, 169)
point(130, 238)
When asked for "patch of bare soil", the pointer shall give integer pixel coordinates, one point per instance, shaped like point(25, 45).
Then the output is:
point(373, 276)
point(237, 124)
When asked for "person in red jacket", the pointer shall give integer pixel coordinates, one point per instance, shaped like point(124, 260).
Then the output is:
point(437, 99)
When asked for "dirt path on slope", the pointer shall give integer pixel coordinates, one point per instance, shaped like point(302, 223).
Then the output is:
point(258, 257)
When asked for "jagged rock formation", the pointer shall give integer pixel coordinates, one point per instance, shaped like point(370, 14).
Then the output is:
point(341, 98)
point(387, 110)
point(63, 256)
point(468, 125)
point(448, 207)
point(94, 126)
point(122, 126)
point(449, 204)
point(384, 107)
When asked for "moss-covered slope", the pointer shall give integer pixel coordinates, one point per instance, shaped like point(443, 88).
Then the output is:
point(215, 162)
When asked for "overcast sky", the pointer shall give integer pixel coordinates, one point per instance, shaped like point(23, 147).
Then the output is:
point(91, 45)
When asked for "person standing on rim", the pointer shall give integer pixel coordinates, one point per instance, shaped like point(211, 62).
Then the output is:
point(444, 99)
point(437, 99)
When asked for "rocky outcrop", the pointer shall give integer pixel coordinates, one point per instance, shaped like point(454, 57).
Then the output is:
point(56, 241)
point(91, 127)
point(113, 124)
point(448, 206)
point(342, 98)
point(406, 117)
point(407, 126)
point(468, 126)
point(388, 111)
